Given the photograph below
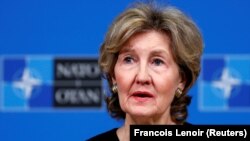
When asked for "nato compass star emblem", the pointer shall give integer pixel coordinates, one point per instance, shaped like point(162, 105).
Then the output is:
point(226, 83)
point(27, 83)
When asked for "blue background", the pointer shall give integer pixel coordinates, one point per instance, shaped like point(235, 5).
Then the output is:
point(77, 27)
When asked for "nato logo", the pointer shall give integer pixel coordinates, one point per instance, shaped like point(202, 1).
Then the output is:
point(224, 84)
point(44, 83)
point(26, 83)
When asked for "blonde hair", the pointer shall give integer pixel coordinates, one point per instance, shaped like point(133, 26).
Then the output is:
point(186, 47)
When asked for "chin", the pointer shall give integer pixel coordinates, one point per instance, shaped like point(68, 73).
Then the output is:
point(141, 113)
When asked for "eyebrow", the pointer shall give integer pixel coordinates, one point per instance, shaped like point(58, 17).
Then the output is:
point(126, 49)
point(159, 51)
point(154, 52)
point(162, 52)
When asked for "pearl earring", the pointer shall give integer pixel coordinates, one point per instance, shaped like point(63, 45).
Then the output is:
point(178, 93)
point(114, 88)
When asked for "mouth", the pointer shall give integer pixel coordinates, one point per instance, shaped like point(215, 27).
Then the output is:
point(142, 96)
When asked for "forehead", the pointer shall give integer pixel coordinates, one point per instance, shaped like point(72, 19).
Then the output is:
point(147, 40)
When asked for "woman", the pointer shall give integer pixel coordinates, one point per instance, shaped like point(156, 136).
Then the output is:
point(151, 58)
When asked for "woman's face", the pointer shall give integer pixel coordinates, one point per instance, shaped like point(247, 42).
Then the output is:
point(146, 75)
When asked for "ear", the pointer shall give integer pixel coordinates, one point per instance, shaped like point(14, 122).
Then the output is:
point(113, 80)
point(182, 84)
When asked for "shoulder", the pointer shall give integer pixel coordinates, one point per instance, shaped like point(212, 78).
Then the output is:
point(108, 135)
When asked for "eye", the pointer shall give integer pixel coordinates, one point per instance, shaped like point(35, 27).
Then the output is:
point(157, 62)
point(128, 59)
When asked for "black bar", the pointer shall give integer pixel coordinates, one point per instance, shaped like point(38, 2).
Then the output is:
point(200, 132)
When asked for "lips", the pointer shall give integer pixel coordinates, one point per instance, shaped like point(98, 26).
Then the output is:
point(142, 96)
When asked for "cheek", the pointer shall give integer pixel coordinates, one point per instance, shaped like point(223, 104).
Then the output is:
point(167, 84)
point(123, 81)
point(123, 85)
point(124, 72)
point(166, 93)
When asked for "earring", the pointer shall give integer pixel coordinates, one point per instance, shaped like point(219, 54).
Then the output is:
point(178, 93)
point(114, 88)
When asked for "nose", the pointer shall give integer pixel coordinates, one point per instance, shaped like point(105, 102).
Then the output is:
point(143, 77)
